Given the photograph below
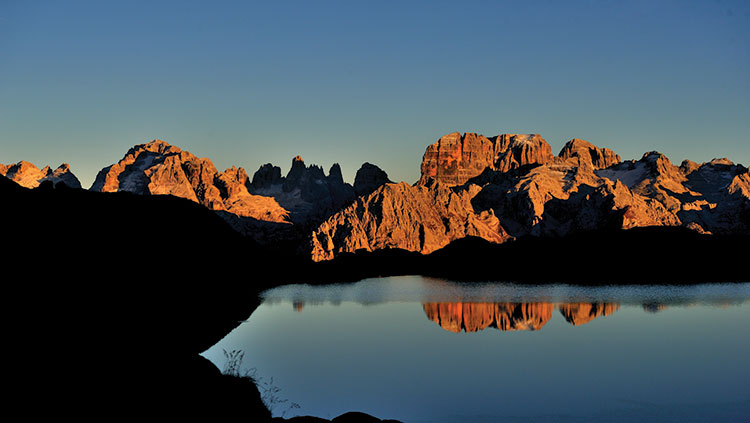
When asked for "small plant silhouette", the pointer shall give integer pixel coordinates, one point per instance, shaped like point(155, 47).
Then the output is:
point(269, 393)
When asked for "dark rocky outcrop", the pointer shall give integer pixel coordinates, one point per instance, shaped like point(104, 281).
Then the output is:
point(306, 192)
point(369, 178)
point(266, 176)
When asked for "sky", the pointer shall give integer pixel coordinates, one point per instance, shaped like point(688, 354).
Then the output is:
point(248, 83)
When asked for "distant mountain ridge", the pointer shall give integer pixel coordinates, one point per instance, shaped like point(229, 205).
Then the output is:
point(29, 176)
point(497, 188)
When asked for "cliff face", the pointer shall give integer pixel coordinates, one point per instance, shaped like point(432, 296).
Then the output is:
point(456, 158)
point(414, 218)
point(600, 158)
point(29, 176)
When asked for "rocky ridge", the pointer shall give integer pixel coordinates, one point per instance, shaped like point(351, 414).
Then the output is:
point(29, 176)
point(414, 218)
point(511, 186)
point(497, 188)
point(268, 206)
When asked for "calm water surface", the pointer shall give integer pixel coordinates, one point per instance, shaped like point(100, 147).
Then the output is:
point(427, 350)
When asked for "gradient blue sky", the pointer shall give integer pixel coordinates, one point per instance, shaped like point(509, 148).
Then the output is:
point(249, 83)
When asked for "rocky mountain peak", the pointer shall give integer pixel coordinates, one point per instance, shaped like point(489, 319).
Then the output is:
point(456, 158)
point(722, 161)
point(158, 146)
point(28, 175)
point(334, 175)
point(160, 168)
point(369, 178)
point(600, 158)
point(660, 166)
point(266, 176)
point(688, 166)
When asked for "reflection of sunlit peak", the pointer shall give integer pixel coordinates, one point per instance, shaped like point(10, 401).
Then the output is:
point(582, 313)
point(473, 317)
point(298, 306)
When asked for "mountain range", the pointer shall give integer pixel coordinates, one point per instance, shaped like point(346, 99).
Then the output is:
point(496, 188)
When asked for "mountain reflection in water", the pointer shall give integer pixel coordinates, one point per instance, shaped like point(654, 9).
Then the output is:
point(419, 350)
point(473, 317)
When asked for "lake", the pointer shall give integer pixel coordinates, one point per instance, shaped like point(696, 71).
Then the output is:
point(428, 350)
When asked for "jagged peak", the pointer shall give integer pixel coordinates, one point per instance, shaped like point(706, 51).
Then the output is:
point(156, 146)
point(653, 156)
point(335, 175)
point(369, 178)
point(721, 161)
point(688, 166)
point(23, 164)
point(600, 157)
point(522, 139)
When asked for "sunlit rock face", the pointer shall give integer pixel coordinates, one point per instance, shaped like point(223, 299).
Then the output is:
point(158, 168)
point(456, 158)
point(509, 186)
point(496, 188)
point(414, 218)
point(581, 313)
point(473, 317)
point(29, 176)
point(599, 158)
point(265, 207)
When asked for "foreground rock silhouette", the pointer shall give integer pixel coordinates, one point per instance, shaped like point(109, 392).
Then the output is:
point(115, 295)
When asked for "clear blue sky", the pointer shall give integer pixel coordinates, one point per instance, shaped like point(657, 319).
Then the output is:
point(249, 83)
